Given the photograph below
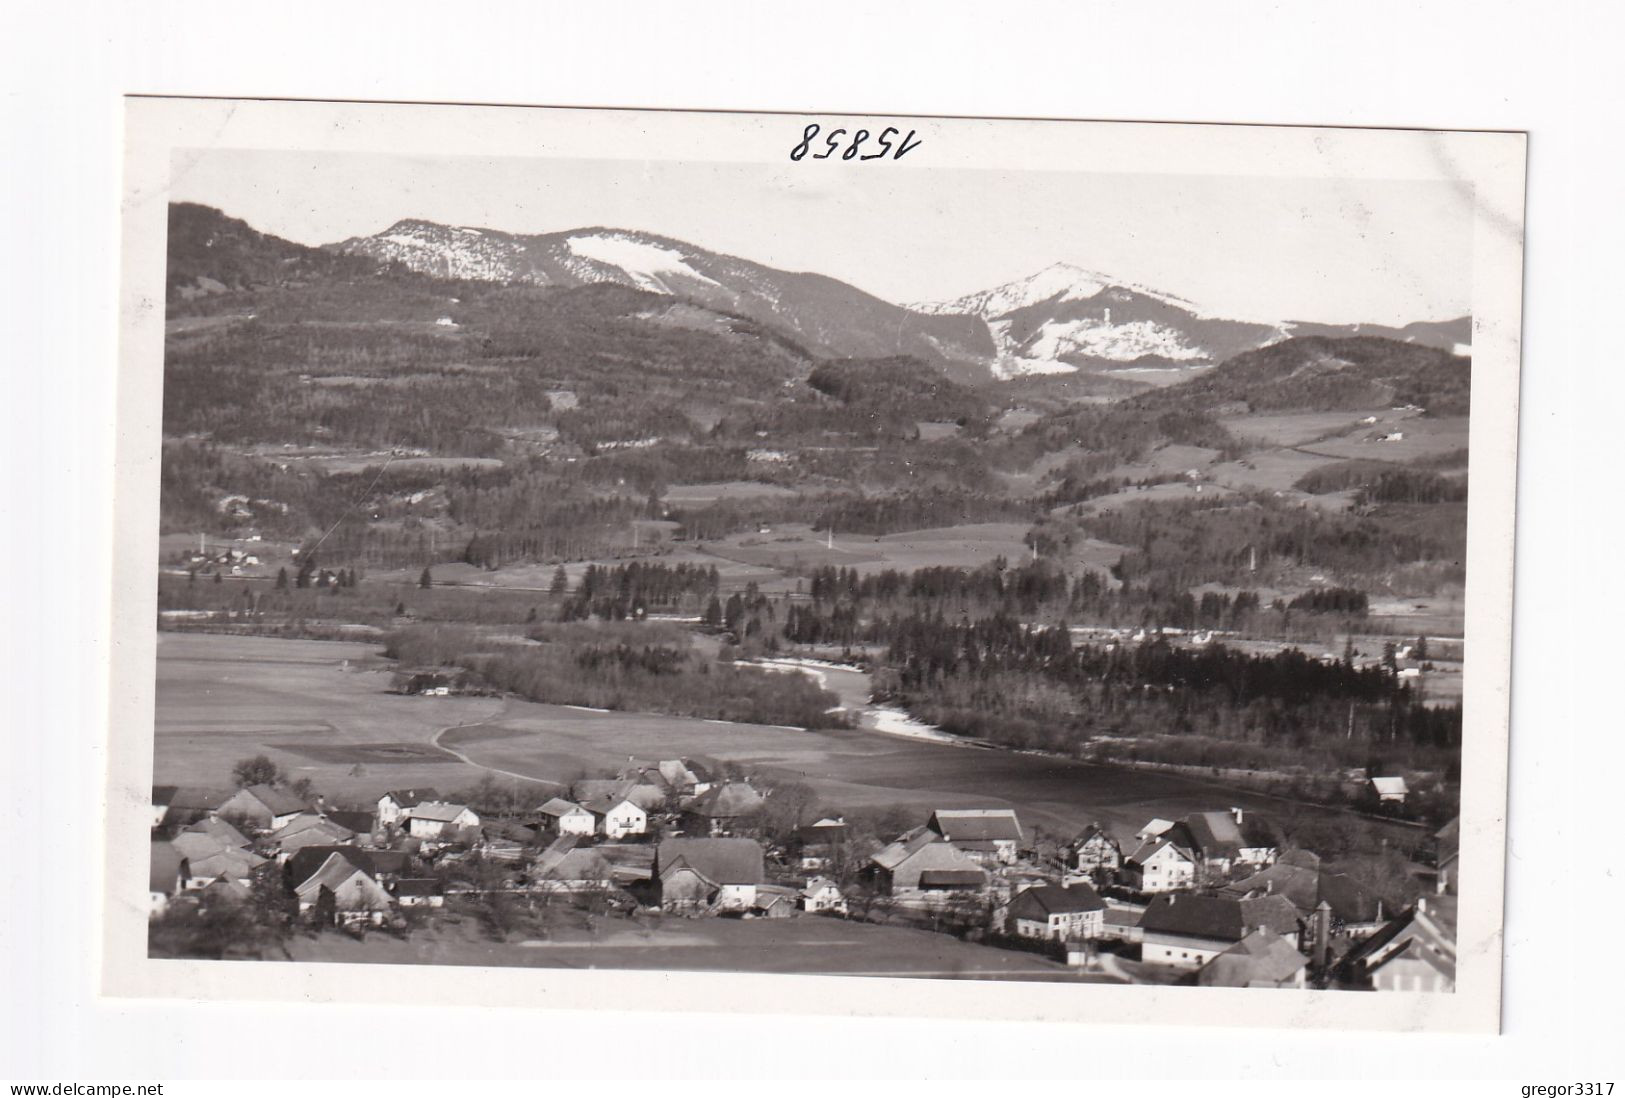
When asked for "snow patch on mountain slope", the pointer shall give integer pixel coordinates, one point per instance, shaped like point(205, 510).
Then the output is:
point(648, 265)
point(1112, 342)
point(1059, 282)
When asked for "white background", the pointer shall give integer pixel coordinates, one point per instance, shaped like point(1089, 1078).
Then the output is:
point(1551, 69)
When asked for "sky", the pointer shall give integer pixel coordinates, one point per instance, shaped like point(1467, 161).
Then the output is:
point(1254, 248)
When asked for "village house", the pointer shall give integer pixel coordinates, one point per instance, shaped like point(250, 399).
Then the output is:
point(1095, 850)
point(263, 806)
point(307, 829)
point(774, 901)
point(168, 876)
point(1055, 913)
point(218, 830)
point(382, 866)
point(618, 818)
point(570, 865)
point(1414, 952)
point(823, 894)
point(1187, 931)
point(1355, 910)
point(1159, 866)
point(1390, 790)
point(921, 861)
point(210, 859)
point(991, 836)
point(562, 817)
point(650, 795)
point(708, 873)
point(1121, 923)
point(1221, 841)
point(815, 846)
point(393, 804)
point(1261, 959)
point(732, 808)
point(357, 897)
point(437, 820)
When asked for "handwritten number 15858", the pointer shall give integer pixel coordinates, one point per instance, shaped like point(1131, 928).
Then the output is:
point(832, 144)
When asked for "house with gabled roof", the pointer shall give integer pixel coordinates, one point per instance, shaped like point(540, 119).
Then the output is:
point(357, 897)
point(1262, 959)
point(708, 873)
point(1187, 931)
point(308, 829)
point(823, 894)
point(570, 865)
point(731, 808)
point(304, 864)
point(393, 804)
point(562, 817)
point(1390, 790)
point(1095, 850)
point(437, 820)
point(1355, 910)
point(922, 861)
point(223, 863)
point(218, 830)
point(1160, 865)
point(991, 836)
point(1414, 952)
point(1055, 913)
point(618, 817)
point(266, 807)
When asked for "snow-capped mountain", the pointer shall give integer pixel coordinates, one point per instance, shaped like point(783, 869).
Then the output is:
point(824, 314)
point(1066, 317)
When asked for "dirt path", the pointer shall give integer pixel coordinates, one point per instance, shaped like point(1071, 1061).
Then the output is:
point(448, 749)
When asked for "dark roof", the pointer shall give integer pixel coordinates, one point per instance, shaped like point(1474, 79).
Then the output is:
point(1045, 900)
point(418, 886)
point(720, 861)
point(1214, 917)
point(303, 865)
point(351, 819)
point(976, 825)
point(935, 877)
point(1212, 834)
point(167, 866)
point(1220, 918)
point(164, 794)
point(390, 861)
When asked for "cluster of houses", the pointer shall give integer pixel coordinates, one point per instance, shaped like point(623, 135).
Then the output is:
point(1208, 898)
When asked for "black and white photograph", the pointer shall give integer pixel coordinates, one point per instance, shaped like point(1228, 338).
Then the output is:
point(846, 560)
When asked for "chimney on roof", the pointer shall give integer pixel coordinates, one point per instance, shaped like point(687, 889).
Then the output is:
point(1237, 813)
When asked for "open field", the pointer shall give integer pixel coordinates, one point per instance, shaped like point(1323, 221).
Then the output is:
point(320, 709)
point(1423, 438)
point(798, 546)
point(1298, 428)
point(729, 489)
point(808, 944)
